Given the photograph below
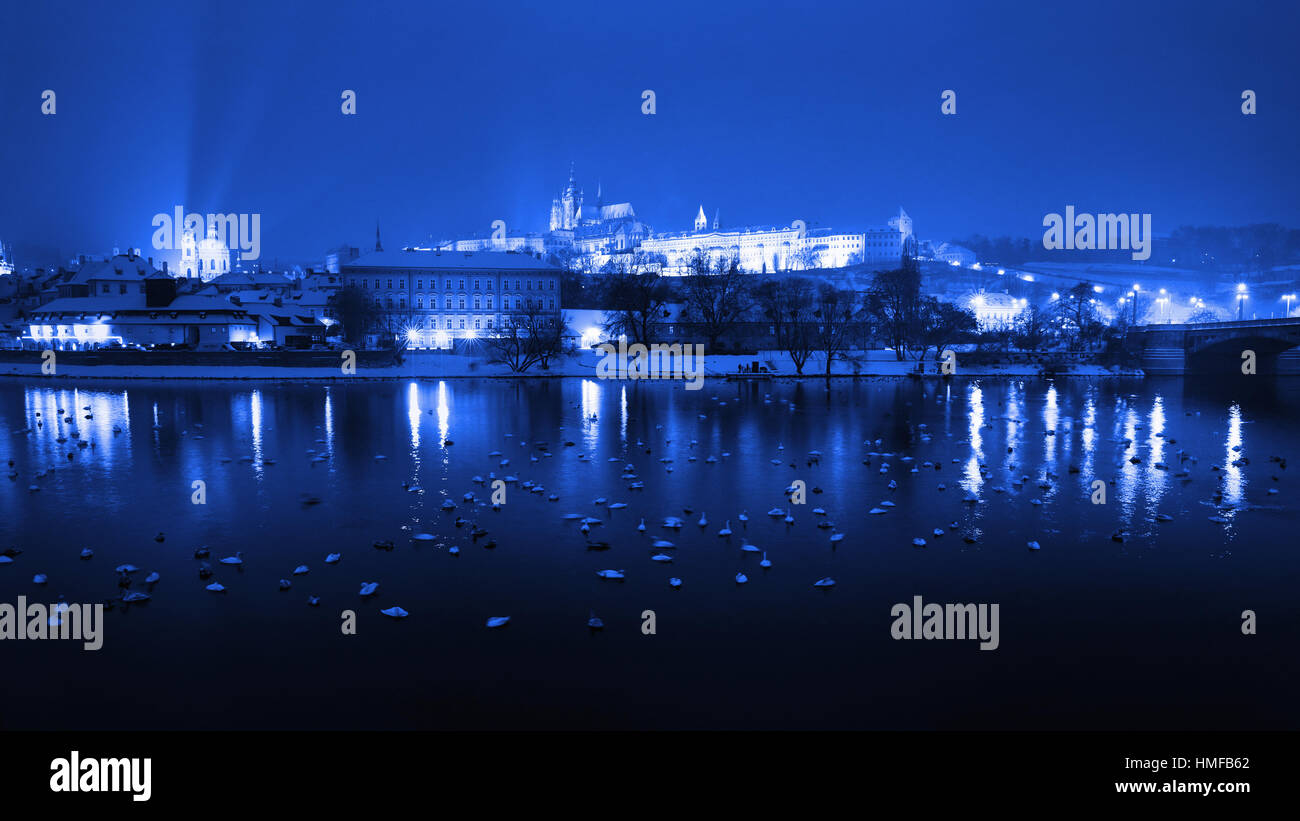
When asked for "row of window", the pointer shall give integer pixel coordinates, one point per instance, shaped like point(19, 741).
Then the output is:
point(519, 303)
point(520, 285)
point(431, 323)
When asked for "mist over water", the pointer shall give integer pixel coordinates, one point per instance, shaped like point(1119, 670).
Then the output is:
point(1095, 632)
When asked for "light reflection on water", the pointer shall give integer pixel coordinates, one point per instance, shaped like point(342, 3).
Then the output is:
point(117, 494)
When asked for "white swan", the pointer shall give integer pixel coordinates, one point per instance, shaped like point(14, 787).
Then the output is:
point(726, 531)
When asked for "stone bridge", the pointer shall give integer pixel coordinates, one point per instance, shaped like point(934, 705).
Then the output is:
point(1217, 347)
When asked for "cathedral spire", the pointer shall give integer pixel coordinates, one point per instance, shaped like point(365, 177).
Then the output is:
point(378, 246)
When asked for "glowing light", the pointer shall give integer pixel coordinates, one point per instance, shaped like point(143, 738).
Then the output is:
point(1055, 295)
point(1096, 289)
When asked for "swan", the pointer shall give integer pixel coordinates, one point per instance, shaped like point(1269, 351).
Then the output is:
point(593, 622)
point(333, 558)
point(498, 621)
point(610, 574)
point(703, 521)
point(918, 542)
point(86, 553)
point(313, 601)
point(216, 587)
point(236, 559)
point(747, 547)
point(1034, 546)
point(674, 582)
point(663, 544)
point(837, 537)
point(423, 537)
point(744, 517)
point(285, 584)
point(766, 562)
point(126, 568)
point(300, 570)
point(641, 527)
point(152, 578)
point(741, 578)
point(369, 588)
point(776, 513)
point(395, 612)
point(618, 506)
point(826, 582)
point(40, 578)
point(726, 531)
point(661, 557)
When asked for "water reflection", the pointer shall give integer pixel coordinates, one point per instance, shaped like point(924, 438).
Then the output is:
point(1234, 480)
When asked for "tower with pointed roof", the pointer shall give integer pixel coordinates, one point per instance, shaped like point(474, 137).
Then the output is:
point(378, 245)
point(701, 221)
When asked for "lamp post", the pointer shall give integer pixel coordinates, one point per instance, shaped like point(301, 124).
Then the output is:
point(1242, 296)
point(1289, 299)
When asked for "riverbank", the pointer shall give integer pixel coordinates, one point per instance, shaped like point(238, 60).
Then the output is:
point(371, 365)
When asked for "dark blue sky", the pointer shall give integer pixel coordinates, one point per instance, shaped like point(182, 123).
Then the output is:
point(469, 113)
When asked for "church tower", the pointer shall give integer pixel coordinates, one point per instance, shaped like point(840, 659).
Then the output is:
point(701, 221)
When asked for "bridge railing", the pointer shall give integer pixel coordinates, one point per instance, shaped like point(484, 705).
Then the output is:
point(1229, 325)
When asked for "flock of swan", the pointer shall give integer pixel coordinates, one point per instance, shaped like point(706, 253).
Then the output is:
point(656, 539)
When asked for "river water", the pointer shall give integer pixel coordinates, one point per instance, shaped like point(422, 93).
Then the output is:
point(1120, 620)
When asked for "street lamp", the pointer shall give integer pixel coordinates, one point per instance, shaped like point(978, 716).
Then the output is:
point(1289, 299)
point(1242, 296)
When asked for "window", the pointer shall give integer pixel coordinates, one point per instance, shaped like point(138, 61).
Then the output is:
point(108, 288)
point(552, 303)
point(476, 285)
point(462, 285)
point(489, 285)
point(462, 324)
point(489, 302)
point(478, 306)
point(530, 285)
point(121, 288)
point(390, 284)
point(447, 285)
point(462, 302)
point(476, 325)
point(390, 302)
point(401, 283)
point(419, 285)
point(552, 285)
point(419, 303)
point(401, 303)
point(446, 303)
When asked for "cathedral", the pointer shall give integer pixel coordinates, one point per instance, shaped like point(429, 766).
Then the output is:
point(595, 228)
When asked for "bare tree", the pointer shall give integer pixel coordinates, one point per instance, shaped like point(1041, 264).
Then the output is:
point(528, 336)
point(893, 301)
point(837, 313)
point(636, 298)
point(789, 304)
point(716, 296)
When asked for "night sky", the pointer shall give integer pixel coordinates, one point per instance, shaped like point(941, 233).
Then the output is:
point(472, 112)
